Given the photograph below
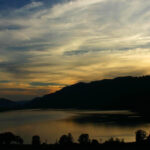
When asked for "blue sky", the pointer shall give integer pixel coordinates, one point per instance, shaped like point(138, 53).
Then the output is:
point(48, 44)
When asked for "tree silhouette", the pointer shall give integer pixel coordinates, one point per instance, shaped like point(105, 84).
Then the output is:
point(94, 142)
point(36, 140)
point(8, 138)
point(84, 139)
point(140, 136)
point(66, 139)
point(114, 141)
point(70, 138)
point(19, 140)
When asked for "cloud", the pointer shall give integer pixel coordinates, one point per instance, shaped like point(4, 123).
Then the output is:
point(65, 41)
point(46, 84)
point(32, 5)
point(5, 81)
point(76, 52)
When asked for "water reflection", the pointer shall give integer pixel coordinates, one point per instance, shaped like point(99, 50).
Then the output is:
point(51, 124)
point(126, 119)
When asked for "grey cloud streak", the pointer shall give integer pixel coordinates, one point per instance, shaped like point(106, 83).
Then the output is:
point(71, 41)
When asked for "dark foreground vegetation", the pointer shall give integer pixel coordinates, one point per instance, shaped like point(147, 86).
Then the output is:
point(10, 141)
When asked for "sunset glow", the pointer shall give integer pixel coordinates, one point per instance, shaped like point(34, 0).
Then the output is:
point(47, 45)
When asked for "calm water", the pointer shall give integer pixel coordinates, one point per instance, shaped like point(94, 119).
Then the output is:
point(51, 124)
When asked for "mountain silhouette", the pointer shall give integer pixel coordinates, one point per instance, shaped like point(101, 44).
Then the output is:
point(6, 103)
point(120, 93)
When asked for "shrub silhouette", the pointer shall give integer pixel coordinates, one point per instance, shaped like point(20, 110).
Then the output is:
point(84, 139)
point(36, 140)
point(19, 140)
point(66, 139)
point(114, 141)
point(8, 138)
point(148, 138)
point(140, 136)
point(94, 142)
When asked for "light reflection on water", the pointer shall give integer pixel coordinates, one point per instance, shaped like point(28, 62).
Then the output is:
point(51, 124)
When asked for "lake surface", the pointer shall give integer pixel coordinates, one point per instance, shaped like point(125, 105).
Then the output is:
point(51, 124)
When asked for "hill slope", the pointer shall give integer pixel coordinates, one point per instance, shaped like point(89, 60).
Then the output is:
point(5, 103)
point(119, 93)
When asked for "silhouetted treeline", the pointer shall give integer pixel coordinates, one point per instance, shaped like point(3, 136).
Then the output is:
point(8, 139)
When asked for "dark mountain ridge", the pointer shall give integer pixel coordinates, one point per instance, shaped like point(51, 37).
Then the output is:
point(6, 103)
point(119, 93)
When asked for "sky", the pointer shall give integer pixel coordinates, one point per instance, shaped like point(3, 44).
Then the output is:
point(46, 45)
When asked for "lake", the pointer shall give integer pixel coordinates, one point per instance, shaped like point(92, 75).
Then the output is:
point(51, 124)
